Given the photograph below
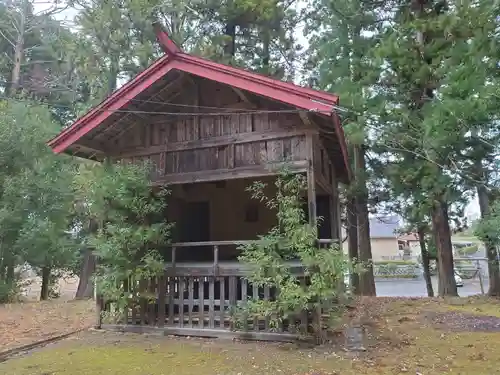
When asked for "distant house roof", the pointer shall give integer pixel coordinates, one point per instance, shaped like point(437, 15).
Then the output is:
point(409, 237)
point(384, 227)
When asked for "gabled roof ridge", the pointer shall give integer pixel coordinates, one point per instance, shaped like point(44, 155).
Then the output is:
point(286, 92)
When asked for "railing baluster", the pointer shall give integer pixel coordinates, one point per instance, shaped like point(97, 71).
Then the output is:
point(201, 302)
point(161, 299)
point(191, 298)
point(152, 299)
point(126, 292)
point(244, 297)
point(211, 300)
point(143, 285)
point(266, 298)
point(233, 290)
point(171, 300)
point(181, 301)
point(222, 302)
point(255, 296)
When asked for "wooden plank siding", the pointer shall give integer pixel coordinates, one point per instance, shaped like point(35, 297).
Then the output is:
point(204, 148)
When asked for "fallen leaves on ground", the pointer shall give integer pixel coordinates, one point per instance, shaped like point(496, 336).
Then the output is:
point(26, 323)
point(403, 337)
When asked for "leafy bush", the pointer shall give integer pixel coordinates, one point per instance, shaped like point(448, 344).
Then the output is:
point(467, 250)
point(8, 291)
point(402, 276)
point(396, 269)
point(394, 262)
point(292, 239)
point(131, 234)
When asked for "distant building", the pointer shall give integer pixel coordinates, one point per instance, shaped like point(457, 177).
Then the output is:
point(386, 242)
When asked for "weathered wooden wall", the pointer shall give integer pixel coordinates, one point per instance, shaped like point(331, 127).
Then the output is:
point(324, 174)
point(191, 149)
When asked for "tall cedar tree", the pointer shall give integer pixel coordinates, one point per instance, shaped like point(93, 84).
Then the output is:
point(342, 35)
point(434, 86)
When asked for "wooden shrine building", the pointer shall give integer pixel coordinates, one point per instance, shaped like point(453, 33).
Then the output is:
point(210, 130)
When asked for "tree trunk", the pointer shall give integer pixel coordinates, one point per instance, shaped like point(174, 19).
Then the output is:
point(352, 241)
point(18, 51)
point(366, 279)
point(44, 293)
point(491, 250)
point(442, 235)
point(114, 69)
point(425, 262)
point(230, 45)
point(10, 275)
point(266, 55)
point(86, 284)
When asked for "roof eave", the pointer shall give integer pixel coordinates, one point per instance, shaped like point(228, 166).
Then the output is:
point(114, 102)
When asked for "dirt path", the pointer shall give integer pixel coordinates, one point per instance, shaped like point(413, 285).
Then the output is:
point(66, 288)
point(25, 323)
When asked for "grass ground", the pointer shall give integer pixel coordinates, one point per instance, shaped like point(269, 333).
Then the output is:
point(418, 336)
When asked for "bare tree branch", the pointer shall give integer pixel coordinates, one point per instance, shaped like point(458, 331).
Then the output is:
point(7, 39)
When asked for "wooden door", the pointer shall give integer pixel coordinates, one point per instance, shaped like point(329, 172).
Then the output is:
point(195, 227)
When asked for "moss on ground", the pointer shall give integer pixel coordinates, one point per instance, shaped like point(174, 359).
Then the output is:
point(426, 336)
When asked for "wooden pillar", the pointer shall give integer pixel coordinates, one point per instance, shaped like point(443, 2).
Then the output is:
point(99, 303)
point(311, 181)
point(98, 309)
point(333, 217)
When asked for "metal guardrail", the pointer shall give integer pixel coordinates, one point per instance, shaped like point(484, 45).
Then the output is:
point(475, 270)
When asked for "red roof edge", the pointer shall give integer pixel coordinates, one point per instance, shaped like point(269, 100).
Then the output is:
point(167, 44)
point(321, 97)
point(110, 100)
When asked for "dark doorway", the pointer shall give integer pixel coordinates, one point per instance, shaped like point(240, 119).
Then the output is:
point(323, 210)
point(195, 227)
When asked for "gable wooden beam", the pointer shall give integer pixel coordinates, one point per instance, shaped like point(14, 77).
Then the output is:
point(166, 43)
point(241, 95)
point(306, 120)
point(176, 81)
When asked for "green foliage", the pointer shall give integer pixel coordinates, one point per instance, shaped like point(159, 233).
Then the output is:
point(292, 239)
point(35, 197)
point(488, 228)
point(394, 262)
point(127, 243)
point(421, 87)
point(467, 250)
point(8, 291)
point(397, 269)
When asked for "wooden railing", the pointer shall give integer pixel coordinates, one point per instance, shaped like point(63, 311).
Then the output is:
point(203, 298)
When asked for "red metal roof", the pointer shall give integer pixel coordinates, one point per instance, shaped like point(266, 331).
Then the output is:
point(285, 92)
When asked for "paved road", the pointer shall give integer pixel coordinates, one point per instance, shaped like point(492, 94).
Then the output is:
point(416, 288)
